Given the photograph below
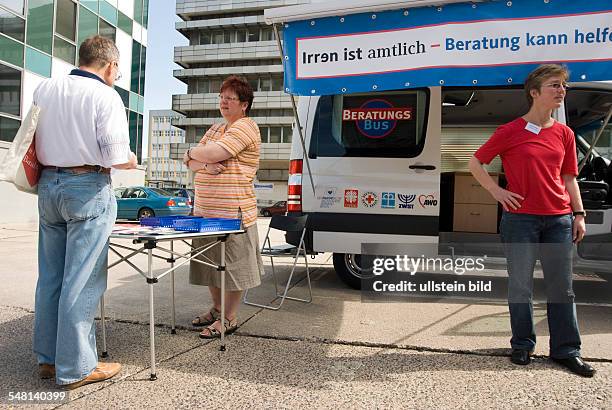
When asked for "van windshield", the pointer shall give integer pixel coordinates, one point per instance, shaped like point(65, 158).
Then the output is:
point(384, 125)
point(586, 111)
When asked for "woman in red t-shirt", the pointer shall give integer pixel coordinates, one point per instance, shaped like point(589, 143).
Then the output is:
point(543, 215)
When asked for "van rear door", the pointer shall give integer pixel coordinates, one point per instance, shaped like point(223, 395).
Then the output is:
point(375, 160)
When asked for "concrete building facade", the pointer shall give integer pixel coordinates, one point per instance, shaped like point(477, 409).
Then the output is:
point(230, 37)
point(162, 170)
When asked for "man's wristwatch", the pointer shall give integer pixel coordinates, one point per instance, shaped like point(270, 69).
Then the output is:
point(576, 213)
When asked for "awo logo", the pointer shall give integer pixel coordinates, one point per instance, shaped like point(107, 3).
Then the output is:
point(406, 201)
point(350, 198)
point(376, 118)
point(427, 201)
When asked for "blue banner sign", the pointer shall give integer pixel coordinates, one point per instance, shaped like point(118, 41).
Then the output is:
point(461, 44)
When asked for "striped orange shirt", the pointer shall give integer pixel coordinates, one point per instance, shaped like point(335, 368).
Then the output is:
point(231, 193)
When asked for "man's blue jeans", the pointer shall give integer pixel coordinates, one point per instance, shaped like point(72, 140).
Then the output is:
point(548, 238)
point(76, 216)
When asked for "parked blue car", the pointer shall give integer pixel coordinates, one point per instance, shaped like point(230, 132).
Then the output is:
point(142, 202)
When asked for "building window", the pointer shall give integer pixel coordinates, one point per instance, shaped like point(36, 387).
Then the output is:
point(65, 19)
point(88, 23)
point(287, 134)
point(11, 51)
point(265, 84)
point(12, 25)
point(241, 36)
point(40, 25)
point(275, 135)
point(277, 83)
point(135, 69)
point(124, 23)
point(10, 97)
point(64, 50)
point(205, 37)
point(10, 102)
point(15, 5)
point(138, 11)
point(254, 83)
point(264, 134)
point(110, 32)
point(267, 34)
point(8, 128)
point(253, 34)
point(217, 37)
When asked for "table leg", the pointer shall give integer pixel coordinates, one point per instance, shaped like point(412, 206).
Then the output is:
point(222, 270)
point(103, 318)
point(151, 282)
point(173, 330)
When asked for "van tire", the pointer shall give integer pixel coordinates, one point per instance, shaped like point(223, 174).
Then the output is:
point(348, 269)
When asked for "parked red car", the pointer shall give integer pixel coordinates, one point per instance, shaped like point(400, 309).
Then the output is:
point(278, 208)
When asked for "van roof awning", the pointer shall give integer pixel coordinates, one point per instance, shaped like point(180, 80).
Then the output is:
point(344, 7)
point(365, 45)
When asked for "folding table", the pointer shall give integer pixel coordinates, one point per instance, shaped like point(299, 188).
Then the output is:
point(149, 240)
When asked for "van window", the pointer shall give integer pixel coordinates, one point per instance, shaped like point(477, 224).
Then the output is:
point(586, 110)
point(383, 125)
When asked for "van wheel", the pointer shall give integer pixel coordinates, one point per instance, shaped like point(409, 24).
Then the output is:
point(349, 268)
point(265, 213)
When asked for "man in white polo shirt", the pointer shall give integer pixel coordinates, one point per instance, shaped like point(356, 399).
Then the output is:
point(82, 132)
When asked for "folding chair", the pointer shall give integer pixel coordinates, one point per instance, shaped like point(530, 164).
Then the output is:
point(287, 224)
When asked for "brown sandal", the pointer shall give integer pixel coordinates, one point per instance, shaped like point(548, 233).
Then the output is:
point(207, 318)
point(213, 333)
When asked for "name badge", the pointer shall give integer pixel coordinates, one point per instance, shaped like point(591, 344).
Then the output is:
point(533, 128)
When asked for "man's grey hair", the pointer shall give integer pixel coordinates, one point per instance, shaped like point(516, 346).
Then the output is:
point(97, 51)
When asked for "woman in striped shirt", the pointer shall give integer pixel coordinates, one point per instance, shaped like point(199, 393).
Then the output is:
point(225, 163)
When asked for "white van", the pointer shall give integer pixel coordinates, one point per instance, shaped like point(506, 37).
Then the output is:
point(391, 167)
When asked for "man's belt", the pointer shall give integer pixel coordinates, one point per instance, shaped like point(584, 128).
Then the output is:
point(81, 169)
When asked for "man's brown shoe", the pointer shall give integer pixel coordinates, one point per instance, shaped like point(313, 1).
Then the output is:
point(103, 371)
point(46, 371)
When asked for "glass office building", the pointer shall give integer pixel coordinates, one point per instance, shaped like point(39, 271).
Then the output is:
point(40, 39)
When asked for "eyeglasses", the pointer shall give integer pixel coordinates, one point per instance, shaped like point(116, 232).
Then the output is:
point(226, 98)
point(118, 76)
point(557, 86)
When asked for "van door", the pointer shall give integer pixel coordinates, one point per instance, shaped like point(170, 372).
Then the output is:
point(375, 160)
point(586, 107)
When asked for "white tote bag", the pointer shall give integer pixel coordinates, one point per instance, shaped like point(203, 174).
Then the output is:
point(20, 165)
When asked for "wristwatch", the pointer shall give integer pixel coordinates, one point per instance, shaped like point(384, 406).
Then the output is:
point(576, 213)
point(189, 153)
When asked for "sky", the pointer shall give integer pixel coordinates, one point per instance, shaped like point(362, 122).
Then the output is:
point(160, 85)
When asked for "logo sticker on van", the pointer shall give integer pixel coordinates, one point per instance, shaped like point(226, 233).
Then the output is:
point(427, 200)
point(387, 200)
point(376, 118)
point(329, 197)
point(369, 199)
point(406, 201)
point(350, 198)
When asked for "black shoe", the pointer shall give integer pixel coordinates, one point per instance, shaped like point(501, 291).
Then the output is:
point(576, 365)
point(520, 357)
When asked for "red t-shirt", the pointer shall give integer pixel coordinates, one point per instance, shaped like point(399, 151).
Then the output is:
point(533, 164)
